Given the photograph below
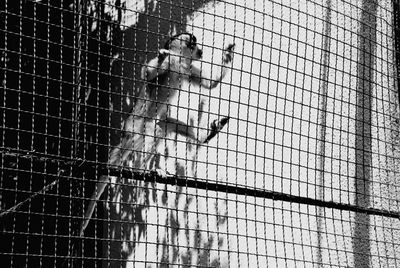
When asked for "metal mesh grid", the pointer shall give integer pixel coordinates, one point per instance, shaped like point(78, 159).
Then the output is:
point(303, 175)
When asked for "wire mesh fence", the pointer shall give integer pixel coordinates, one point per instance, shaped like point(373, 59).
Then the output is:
point(266, 137)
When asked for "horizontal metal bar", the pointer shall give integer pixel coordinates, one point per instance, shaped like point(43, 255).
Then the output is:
point(239, 190)
point(206, 185)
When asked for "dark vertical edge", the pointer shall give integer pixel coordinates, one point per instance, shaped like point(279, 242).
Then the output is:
point(322, 124)
point(78, 133)
point(363, 143)
point(396, 29)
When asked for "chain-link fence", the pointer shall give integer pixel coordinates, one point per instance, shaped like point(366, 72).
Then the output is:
point(277, 145)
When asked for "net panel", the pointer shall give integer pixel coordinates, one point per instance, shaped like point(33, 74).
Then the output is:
point(304, 174)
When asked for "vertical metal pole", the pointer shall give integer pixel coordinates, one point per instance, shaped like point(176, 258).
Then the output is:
point(322, 123)
point(77, 75)
point(363, 150)
point(396, 28)
point(76, 184)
